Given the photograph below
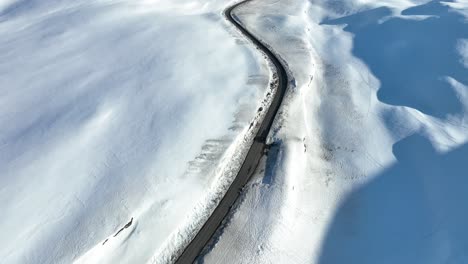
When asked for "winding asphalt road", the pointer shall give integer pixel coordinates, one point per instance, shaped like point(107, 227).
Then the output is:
point(253, 156)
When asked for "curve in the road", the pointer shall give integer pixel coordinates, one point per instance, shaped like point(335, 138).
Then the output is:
point(253, 156)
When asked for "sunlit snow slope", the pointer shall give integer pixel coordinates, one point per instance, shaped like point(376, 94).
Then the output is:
point(370, 156)
point(117, 113)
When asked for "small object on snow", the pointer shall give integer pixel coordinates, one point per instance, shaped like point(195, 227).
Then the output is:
point(129, 223)
point(125, 226)
point(293, 83)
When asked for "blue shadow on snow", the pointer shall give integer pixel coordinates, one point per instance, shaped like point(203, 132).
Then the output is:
point(411, 57)
point(413, 212)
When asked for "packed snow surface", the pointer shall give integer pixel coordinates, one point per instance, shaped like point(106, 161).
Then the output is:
point(121, 123)
point(369, 156)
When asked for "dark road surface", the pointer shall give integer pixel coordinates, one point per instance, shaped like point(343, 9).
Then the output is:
point(253, 156)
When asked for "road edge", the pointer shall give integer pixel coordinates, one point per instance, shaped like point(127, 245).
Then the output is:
point(253, 156)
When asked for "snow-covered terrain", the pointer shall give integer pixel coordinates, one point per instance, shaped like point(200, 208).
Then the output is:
point(122, 123)
point(369, 162)
point(118, 114)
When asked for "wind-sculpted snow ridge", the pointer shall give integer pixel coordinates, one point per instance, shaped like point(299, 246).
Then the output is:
point(121, 124)
point(368, 163)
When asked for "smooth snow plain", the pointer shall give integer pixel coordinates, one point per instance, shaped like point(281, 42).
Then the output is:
point(369, 157)
point(117, 110)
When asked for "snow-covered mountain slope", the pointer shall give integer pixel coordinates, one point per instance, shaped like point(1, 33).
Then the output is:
point(370, 156)
point(118, 114)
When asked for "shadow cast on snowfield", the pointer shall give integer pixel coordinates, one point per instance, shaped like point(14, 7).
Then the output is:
point(272, 157)
point(412, 56)
point(414, 212)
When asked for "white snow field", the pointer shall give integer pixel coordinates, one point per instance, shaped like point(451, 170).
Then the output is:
point(369, 162)
point(121, 113)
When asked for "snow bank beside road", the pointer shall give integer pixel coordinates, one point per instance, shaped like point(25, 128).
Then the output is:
point(371, 142)
point(117, 110)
